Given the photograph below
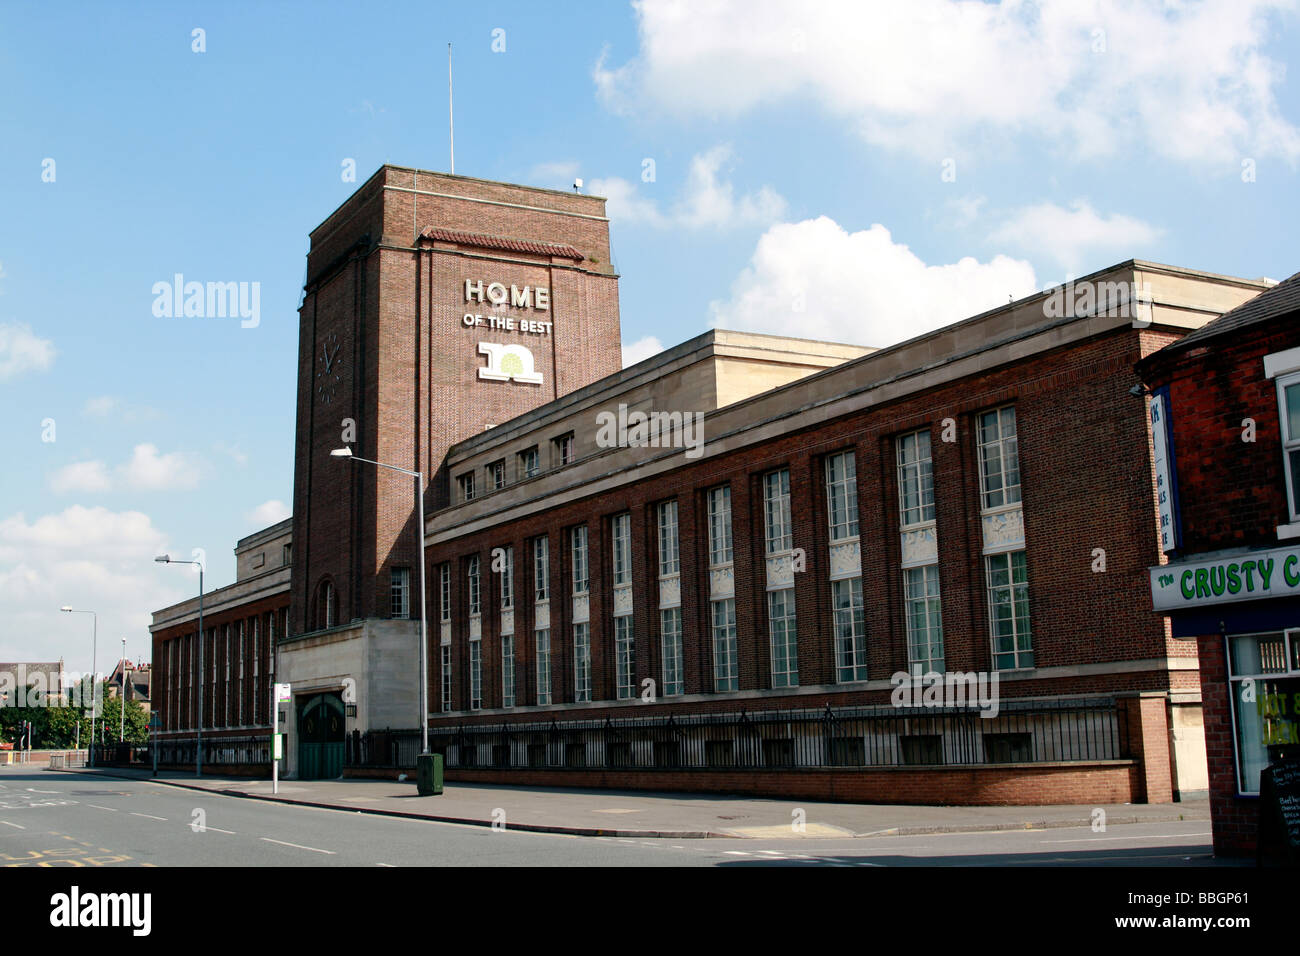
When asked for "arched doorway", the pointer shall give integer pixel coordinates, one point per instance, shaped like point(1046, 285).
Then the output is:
point(320, 737)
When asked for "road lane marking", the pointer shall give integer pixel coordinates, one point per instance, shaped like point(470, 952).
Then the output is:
point(148, 815)
point(14, 825)
point(1149, 836)
point(218, 830)
point(299, 846)
point(389, 865)
point(98, 807)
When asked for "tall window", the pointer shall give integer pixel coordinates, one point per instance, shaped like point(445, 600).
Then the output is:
point(581, 662)
point(625, 657)
point(720, 526)
point(475, 675)
point(399, 587)
point(924, 621)
point(915, 479)
point(842, 496)
point(670, 640)
point(1288, 393)
point(850, 630)
point(325, 605)
point(726, 666)
point(475, 597)
point(776, 496)
point(999, 460)
point(508, 578)
point(508, 670)
point(621, 533)
point(529, 462)
point(444, 588)
point(446, 678)
point(564, 448)
point(541, 569)
point(669, 555)
point(497, 475)
point(781, 626)
point(542, 643)
point(467, 486)
point(580, 560)
point(1009, 610)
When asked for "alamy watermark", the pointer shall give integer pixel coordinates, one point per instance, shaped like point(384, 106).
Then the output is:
point(208, 300)
point(953, 689)
point(1127, 300)
point(18, 688)
point(640, 429)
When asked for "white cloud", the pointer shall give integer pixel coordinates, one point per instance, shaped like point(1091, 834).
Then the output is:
point(88, 476)
point(88, 558)
point(233, 451)
point(640, 350)
point(268, 513)
point(1189, 81)
point(149, 471)
point(707, 200)
point(813, 279)
point(1074, 236)
point(22, 351)
point(101, 406)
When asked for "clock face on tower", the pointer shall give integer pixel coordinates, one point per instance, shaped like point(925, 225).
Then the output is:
point(329, 369)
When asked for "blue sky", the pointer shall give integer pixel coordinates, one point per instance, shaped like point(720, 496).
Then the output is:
point(889, 168)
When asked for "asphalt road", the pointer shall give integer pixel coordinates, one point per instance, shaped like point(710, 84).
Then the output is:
point(54, 819)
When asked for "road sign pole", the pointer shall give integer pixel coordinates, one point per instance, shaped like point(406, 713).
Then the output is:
point(275, 733)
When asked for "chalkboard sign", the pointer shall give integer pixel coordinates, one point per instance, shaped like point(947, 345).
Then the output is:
point(1278, 842)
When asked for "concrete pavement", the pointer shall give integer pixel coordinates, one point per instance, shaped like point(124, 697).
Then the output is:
point(617, 813)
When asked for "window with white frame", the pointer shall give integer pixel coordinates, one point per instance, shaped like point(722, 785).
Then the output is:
point(669, 548)
point(399, 586)
point(726, 665)
point(1008, 583)
point(542, 656)
point(850, 630)
point(670, 646)
point(720, 547)
point(579, 547)
point(508, 577)
point(497, 475)
point(446, 678)
point(444, 588)
point(1288, 396)
point(915, 479)
point(541, 569)
point(924, 620)
point(467, 486)
point(507, 670)
point(581, 662)
point(784, 642)
point(625, 657)
point(529, 463)
point(999, 458)
point(776, 499)
point(564, 448)
point(842, 496)
point(1264, 674)
point(621, 539)
point(475, 675)
point(475, 595)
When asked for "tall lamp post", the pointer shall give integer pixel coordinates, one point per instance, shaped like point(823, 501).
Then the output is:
point(121, 700)
point(94, 681)
point(198, 735)
point(346, 452)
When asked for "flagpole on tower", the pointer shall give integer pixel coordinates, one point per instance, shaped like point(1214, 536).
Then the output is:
point(451, 116)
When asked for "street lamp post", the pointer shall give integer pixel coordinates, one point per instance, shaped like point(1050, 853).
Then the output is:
point(198, 734)
point(121, 700)
point(94, 662)
point(346, 452)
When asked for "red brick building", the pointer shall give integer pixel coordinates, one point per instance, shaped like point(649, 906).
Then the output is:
point(1227, 398)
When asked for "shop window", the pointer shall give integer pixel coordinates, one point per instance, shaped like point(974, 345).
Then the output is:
point(1265, 681)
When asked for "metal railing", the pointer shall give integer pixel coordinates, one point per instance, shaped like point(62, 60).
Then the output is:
point(217, 752)
point(1080, 730)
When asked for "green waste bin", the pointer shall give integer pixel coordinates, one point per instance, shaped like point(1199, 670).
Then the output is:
point(428, 774)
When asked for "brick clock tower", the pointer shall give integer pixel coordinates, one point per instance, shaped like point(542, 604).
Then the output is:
point(435, 306)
